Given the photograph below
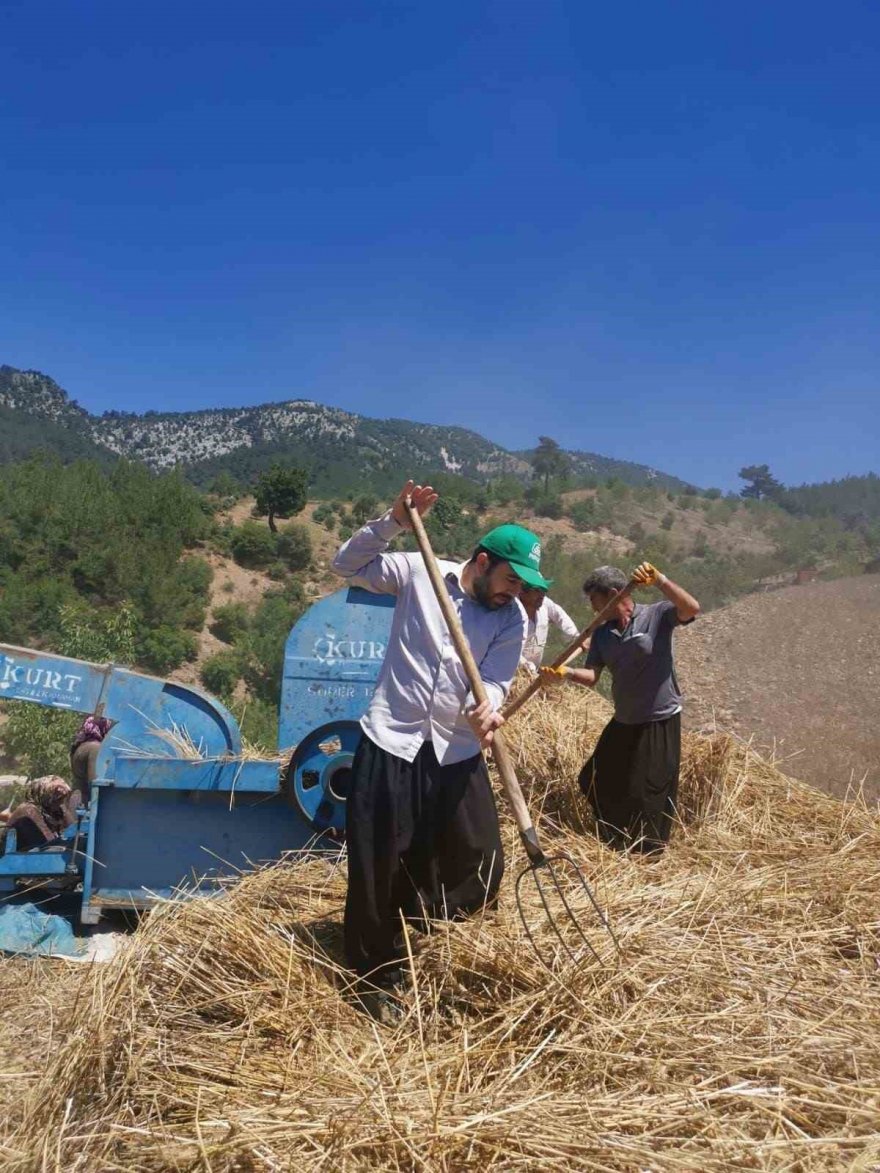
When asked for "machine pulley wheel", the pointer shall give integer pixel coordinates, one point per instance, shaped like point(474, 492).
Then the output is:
point(319, 774)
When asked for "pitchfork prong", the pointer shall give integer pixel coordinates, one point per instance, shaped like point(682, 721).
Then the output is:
point(533, 870)
point(567, 906)
point(606, 923)
point(572, 956)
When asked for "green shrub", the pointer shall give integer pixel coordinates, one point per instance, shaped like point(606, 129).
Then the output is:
point(253, 546)
point(606, 510)
point(505, 490)
point(40, 739)
point(226, 488)
point(231, 621)
point(655, 547)
point(549, 506)
point(325, 515)
point(221, 673)
point(447, 512)
point(265, 641)
point(295, 547)
point(583, 514)
point(190, 583)
point(165, 648)
point(259, 724)
point(221, 538)
point(364, 508)
point(105, 535)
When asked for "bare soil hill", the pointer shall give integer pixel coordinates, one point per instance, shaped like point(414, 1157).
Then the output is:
point(798, 669)
point(574, 541)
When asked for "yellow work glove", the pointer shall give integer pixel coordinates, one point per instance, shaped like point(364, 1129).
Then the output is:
point(646, 575)
point(550, 676)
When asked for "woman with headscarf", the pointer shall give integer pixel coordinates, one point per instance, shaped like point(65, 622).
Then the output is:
point(47, 808)
point(84, 753)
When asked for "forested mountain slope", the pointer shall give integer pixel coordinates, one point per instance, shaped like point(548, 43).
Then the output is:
point(341, 449)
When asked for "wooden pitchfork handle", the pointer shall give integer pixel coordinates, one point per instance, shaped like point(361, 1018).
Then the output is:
point(573, 648)
point(500, 752)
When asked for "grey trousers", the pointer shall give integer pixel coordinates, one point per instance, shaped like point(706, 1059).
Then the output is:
point(82, 767)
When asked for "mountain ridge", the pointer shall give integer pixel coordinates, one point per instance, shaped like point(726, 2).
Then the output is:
point(340, 447)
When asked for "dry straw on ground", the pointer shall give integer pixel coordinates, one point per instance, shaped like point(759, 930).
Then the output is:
point(739, 1030)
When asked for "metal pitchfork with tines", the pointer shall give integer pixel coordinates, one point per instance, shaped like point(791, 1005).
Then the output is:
point(540, 866)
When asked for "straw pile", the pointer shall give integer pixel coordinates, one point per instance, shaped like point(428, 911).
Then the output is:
point(739, 1030)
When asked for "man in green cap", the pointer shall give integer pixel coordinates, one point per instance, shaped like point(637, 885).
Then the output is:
point(421, 825)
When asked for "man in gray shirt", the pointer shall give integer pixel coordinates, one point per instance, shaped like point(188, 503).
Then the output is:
point(421, 824)
point(631, 779)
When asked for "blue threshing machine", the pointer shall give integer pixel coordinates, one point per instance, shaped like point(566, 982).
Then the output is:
point(156, 825)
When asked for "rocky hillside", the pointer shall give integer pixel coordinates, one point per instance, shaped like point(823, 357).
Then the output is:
point(340, 447)
point(36, 414)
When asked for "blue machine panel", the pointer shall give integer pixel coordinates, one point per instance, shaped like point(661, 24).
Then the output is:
point(332, 661)
point(55, 681)
point(149, 842)
point(162, 825)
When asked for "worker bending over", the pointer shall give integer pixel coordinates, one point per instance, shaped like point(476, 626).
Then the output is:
point(631, 779)
point(421, 824)
point(540, 613)
point(47, 808)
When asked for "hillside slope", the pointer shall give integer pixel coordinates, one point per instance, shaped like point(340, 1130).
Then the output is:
point(799, 669)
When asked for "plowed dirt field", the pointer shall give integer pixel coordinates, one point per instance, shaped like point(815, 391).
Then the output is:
point(798, 669)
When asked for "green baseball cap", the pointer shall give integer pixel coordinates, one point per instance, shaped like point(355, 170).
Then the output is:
point(522, 549)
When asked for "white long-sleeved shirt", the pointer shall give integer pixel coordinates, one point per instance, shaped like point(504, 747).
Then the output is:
point(537, 630)
point(422, 689)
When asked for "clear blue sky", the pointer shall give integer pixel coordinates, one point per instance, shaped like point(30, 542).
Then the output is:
point(650, 230)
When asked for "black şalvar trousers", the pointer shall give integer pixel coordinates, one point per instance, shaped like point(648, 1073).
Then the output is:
point(631, 782)
point(423, 842)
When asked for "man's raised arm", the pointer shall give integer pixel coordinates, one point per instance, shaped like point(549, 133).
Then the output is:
point(686, 606)
point(362, 559)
